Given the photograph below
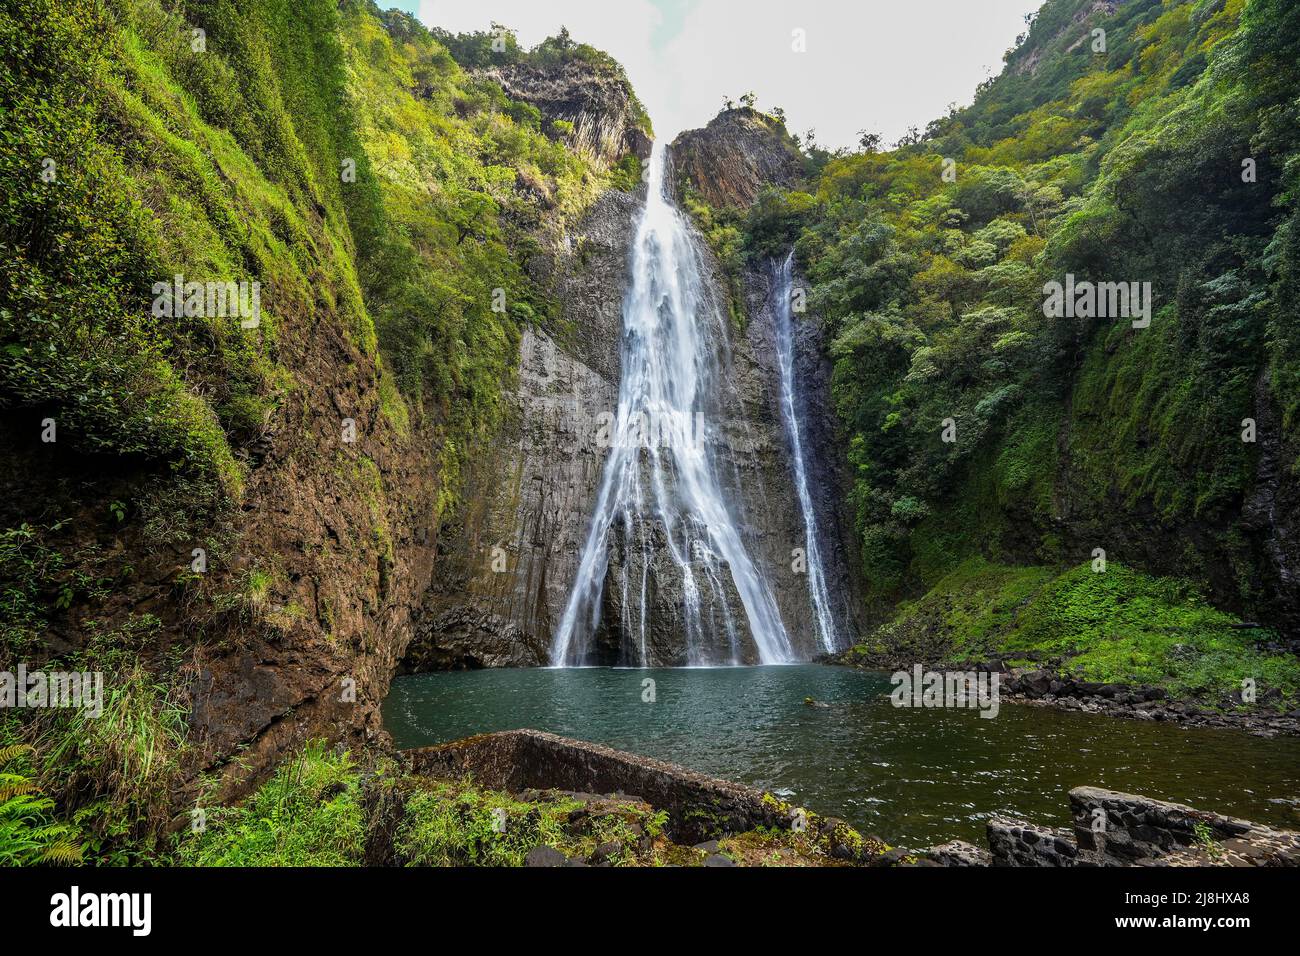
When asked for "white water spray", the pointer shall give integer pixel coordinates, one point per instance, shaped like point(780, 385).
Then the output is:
point(667, 490)
point(783, 295)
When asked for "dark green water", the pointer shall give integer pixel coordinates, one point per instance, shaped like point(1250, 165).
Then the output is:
point(913, 777)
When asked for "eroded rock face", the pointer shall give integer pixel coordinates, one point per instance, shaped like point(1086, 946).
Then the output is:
point(507, 565)
point(756, 473)
point(1271, 513)
point(1072, 35)
point(771, 496)
point(510, 555)
point(597, 103)
point(729, 161)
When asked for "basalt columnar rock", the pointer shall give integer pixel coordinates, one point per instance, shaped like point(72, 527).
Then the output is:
point(508, 559)
point(1016, 843)
point(1118, 829)
point(510, 555)
point(1121, 829)
point(728, 162)
point(1053, 686)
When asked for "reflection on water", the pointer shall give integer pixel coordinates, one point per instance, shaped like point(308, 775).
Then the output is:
point(913, 777)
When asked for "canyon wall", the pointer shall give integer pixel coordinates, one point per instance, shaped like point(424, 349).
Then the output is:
point(509, 559)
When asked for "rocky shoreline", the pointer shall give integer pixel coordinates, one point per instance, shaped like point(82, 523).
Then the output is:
point(1047, 687)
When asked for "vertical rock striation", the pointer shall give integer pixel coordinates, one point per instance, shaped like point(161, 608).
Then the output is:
point(729, 161)
point(599, 104)
point(507, 565)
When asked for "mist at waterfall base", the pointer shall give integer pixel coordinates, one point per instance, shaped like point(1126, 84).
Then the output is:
point(913, 777)
point(666, 494)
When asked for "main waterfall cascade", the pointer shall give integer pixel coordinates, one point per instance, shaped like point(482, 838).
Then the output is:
point(783, 297)
point(663, 531)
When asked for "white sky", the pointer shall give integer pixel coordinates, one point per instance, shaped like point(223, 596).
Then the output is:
point(882, 65)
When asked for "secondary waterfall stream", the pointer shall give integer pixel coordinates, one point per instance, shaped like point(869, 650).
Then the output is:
point(783, 296)
point(660, 492)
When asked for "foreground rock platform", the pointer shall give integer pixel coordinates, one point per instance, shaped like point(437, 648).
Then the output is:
point(1109, 828)
point(699, 807)
point(1122, 829)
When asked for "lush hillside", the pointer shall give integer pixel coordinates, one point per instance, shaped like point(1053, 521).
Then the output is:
point(234, 515)
point(979, 428)
point(237, 518)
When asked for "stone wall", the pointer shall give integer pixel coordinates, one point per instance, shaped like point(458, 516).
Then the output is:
point(699, 807)
point(1109, 828)
point(1121, 829)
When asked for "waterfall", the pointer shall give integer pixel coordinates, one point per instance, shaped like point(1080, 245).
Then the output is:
point(783, 294)
point(660, 485)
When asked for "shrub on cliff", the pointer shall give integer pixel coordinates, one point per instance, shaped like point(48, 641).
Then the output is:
point(976, 425)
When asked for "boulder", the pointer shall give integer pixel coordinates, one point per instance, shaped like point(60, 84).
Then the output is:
point(543, 856)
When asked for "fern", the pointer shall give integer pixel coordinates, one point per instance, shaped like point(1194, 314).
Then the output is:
point(29, 833)
point(14, 785)
point(13, 750)
point(63, 853)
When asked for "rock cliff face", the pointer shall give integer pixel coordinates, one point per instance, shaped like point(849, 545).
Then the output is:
point(318, 527)
point(438, 586)
point(729, 161)
point(506, 567)
point(598, 104)
point(757, 477)
point(1272, 514)
point(509, 558)
point(828, 481)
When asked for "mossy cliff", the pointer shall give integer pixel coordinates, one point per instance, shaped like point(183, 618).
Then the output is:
point(236, 517)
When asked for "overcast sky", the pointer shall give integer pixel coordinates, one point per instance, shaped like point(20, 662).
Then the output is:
point(882, 65)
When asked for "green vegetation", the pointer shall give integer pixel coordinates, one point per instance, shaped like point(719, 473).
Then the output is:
point(341, 158)
point(29, 834)
point(933, 289)
point(498, 47)
point(29, 579)
point(455, 186)
point(308, 814)
point(461, 825)
point(1118, 626)
point(389, 200)
point(978, 427)
point(79, 252)
point(102, 780)
point(322, 808)
point(385, 200)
